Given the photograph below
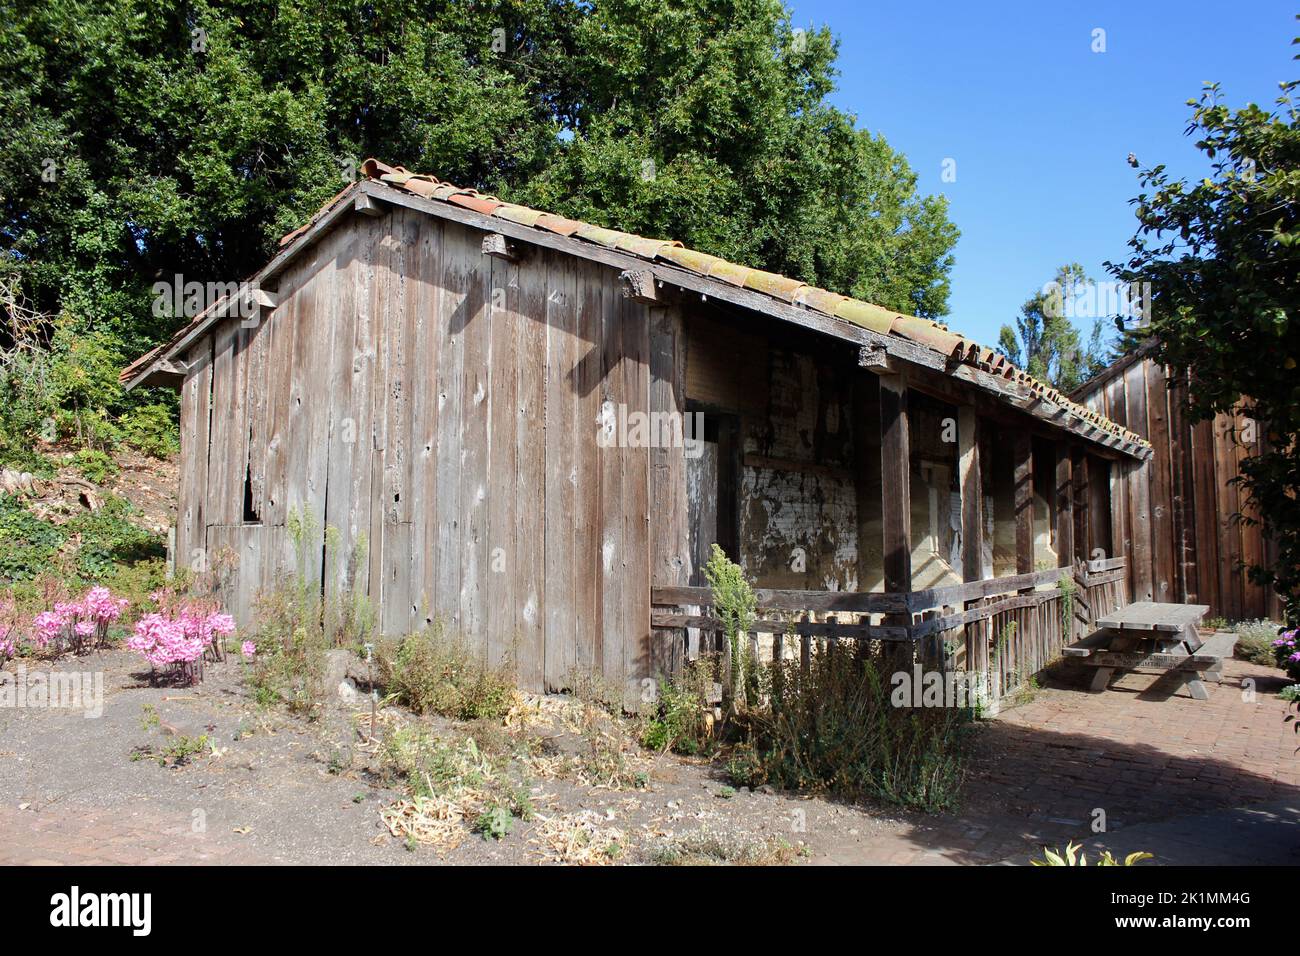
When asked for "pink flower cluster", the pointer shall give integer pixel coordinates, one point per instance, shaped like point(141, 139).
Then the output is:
point(74, 623)
point(1287, 640)
point(177, 638)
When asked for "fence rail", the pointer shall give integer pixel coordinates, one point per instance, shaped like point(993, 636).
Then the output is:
point(1004, 630)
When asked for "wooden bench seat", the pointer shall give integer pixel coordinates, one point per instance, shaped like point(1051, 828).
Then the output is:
point(1096, 641)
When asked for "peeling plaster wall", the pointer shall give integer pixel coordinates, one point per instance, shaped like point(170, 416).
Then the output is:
point(798, 497)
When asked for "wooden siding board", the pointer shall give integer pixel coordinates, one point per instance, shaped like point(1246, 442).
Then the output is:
point(341, 428)
point(450, 360)
point(561, 357)
point(670, 562)
point(1206, 517)
point(1163, 550)
point(428, 352)
point(196, 415)
point(528, 560)
point(636, 508)
point(1225, 468)
point(504, 504)
point(591, 291)
point(1139, 487)
point(613, 533)
point(476, 338)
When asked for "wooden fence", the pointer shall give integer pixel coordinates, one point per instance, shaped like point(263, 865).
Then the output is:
point(1000, 631)
point(1178, 515)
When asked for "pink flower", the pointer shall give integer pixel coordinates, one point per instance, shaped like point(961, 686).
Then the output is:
point(47, 627)
point(248, 649)
point(100, 604)
point(84, 629)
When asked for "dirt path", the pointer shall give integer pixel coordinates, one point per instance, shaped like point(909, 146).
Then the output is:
point(281, 790)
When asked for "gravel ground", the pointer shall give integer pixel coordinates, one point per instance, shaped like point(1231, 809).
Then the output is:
point(284, 790)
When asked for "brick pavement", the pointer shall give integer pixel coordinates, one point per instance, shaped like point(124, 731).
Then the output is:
point(1157, 764)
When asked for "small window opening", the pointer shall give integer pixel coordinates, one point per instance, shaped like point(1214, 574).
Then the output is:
point(251, 515)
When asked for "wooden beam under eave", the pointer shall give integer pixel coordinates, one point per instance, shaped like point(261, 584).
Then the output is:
point(639, 285)
point(499, 247)
point(368, 205)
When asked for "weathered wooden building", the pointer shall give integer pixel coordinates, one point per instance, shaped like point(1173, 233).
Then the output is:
point(1179, 520)
point(533, 428)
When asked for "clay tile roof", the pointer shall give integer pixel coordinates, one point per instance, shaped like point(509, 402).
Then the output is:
point(955, 347)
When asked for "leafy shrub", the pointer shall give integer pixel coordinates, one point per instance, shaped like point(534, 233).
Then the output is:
point(152, 429)
point(1255, 641)
point(735, 605)
point(836, 729)
point(28, 544)
point(108, 538)
point(97, 466)
point(432, 673)
point(290, 644)
point(682, 721)
point(1071, 856)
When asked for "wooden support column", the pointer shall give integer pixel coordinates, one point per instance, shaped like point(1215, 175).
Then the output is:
point(972, 494)
point(1064, 504)
point(895, 480)
point(972, 530)
point(1023, 449)
point(1081, 499)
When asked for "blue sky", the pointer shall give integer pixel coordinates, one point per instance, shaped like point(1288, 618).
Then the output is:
point(1039, 126)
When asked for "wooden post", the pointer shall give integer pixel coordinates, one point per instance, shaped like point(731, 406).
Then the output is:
point(1064, 505)
point(1081, 525)
point(1024, 499)
point(972, 530)
point(896, 493)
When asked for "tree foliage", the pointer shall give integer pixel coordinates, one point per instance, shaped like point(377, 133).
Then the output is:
point(1223, 259)
point(140, 139)
point(1046, 343)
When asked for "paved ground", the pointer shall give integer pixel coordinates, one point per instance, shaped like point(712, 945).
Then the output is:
point(1193, 782)
point(1209, 782)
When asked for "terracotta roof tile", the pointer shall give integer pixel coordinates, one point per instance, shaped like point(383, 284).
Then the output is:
point(819, 299)
point(487, 205)
point(774, 285)
point(729, 272)
point(865, 314)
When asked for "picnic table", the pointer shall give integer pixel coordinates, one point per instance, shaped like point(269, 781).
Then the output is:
point(1153, 636)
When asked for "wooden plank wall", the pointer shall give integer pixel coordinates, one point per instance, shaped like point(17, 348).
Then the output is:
point(438, 409)
point(1177, 524)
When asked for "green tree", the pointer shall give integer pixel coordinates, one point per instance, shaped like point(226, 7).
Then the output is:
point(1045, 342)
point(1222, 255)
point(144, 138)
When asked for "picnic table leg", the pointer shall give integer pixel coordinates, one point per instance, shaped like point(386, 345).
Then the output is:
point(1194, 686)
point(1100, 678)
